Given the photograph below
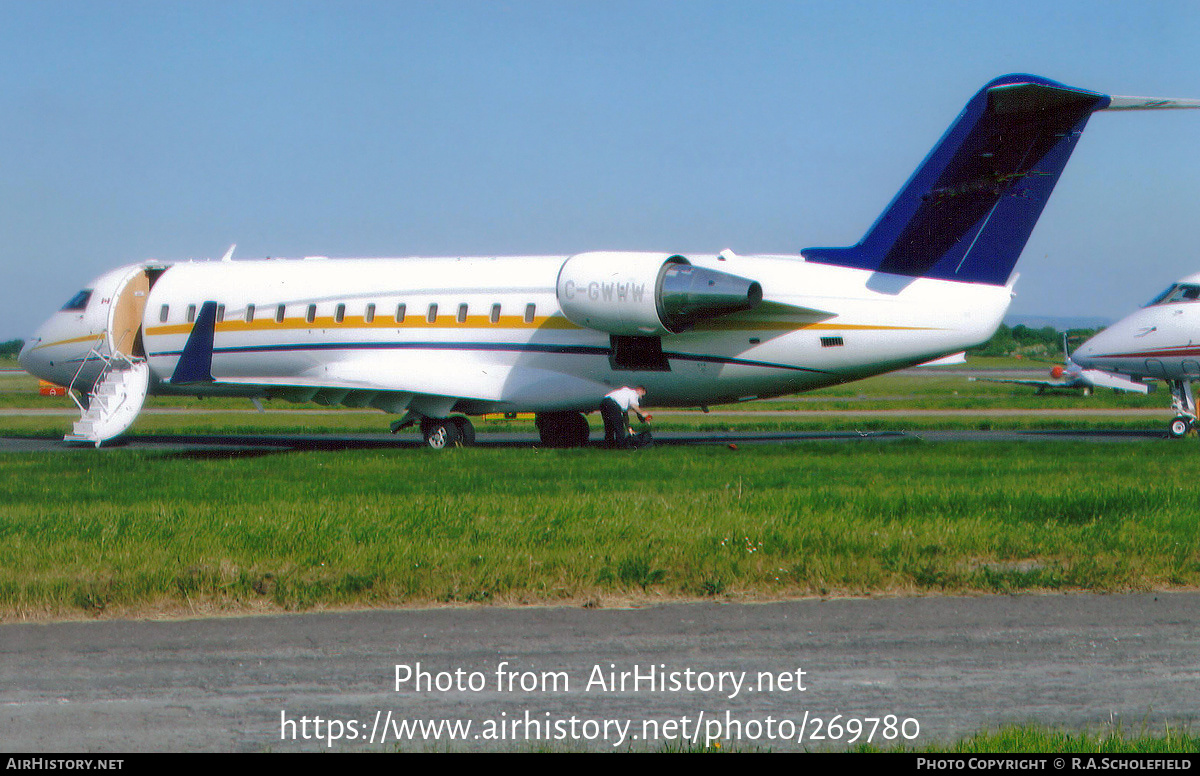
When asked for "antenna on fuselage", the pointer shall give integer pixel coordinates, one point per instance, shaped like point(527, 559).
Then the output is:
point(229, 253)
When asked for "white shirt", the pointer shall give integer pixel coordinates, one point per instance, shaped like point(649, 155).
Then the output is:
point(626, 398)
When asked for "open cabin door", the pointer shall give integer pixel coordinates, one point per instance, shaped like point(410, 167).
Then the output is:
point(128, 309)
point(125, 317)
point(120, 389)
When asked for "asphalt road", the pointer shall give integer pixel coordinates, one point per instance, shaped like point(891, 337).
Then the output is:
point(941, 667)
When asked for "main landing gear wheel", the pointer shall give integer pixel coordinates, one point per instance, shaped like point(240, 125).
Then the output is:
point(440, 433)
point(466, 430)
point(562, 429)
point(1180, 427)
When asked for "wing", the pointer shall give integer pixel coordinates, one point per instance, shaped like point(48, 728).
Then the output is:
point(1116, 382)
point(1037, 383)
point(395, 380)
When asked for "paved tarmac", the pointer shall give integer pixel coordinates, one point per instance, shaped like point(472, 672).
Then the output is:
point(930, 668)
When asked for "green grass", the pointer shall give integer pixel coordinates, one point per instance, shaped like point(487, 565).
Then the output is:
point(129, 532)
point(1036, 739)
point(1008, 740)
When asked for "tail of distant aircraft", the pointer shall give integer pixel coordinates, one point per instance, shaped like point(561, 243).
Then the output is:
point(970, 207)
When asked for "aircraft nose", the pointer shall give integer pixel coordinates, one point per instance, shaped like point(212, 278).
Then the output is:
point(33, 357)
point(27, 358)
point(1083, 354)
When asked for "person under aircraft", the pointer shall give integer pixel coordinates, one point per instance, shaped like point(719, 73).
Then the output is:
point(615, 408)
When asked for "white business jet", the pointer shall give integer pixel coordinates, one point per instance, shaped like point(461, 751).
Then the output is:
point(435, 340)
point(1160, 341)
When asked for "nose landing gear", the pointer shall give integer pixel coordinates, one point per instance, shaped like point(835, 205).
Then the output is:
point(1184, 404)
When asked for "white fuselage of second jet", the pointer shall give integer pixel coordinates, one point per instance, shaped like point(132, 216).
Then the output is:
point(1160, 340)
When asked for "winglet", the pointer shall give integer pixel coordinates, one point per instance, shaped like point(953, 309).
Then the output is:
point(195, 362)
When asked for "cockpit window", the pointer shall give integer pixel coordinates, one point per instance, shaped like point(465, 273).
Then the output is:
point(1180, 292)
point(79, 301)
point(1159, 299)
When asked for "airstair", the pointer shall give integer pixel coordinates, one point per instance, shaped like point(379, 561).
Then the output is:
point(115, 400)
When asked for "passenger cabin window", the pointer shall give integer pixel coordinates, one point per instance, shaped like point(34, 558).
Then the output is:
point(495, 316)
point(310, 314)
point(400, 311)
point(339, 314)
point(79, 301)
point(530, 310)
point(431, 316)
point(249, 313)
point(191, 313)
point(1180, 292)
point(164, 313)
point(369, 315)
point(462, 313)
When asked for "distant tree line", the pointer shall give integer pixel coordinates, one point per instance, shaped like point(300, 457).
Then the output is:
point(11, 348)
point(1020, 340)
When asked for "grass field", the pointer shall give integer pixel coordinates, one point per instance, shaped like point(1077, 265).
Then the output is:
point(1028, 739)
point(1044, 740)
point(133, 532)
point(128, 532)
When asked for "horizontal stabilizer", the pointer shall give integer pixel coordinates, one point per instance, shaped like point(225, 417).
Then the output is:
point(950, 360)
point(1150, 103)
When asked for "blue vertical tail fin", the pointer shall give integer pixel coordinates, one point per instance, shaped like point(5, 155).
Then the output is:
point(968, 210)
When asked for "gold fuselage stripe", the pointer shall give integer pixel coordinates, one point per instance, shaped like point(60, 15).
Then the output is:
point(505, 322)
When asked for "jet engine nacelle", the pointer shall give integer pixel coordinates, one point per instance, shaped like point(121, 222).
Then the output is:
point(647, 294)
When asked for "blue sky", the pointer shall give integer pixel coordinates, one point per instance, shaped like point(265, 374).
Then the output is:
point(170, 130)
